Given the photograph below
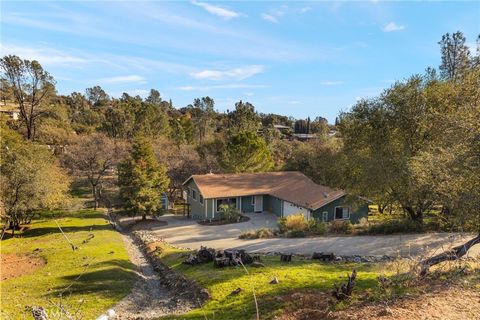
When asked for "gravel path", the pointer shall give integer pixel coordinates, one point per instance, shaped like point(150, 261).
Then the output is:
point(148, 299)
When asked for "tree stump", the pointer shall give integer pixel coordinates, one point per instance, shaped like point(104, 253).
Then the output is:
point(286, 257)
point(345, 290)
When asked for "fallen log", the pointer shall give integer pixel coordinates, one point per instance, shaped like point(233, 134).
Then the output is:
point(450, 255)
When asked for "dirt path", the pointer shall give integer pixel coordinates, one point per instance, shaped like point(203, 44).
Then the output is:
point(148, 299)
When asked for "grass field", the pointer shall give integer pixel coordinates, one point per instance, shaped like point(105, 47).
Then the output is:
point(89, 280)
point(299, 275)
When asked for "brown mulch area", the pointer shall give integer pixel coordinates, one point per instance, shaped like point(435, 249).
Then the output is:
point(14, 265)
point(443, 302)
point(221, 222)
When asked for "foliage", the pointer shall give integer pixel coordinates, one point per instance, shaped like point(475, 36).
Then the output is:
point(395, 226)
point(316, 227)
point(243, 118)
point(455, 56)
point(262, 233)
point(92, 279)
point(340, 227)
point(97, 97)
point(142, 180)
point(30, 179)
point(296, 222)
point(230, 213)
point(245, 152)
point(31, 86)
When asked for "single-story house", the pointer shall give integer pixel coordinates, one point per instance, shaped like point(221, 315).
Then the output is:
point(282, 193)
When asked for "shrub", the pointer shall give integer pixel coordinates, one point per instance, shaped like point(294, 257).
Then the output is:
point(263, 233)
point(296, 222)
point(340, 227)
point(296, 234)
point(230, 213)
point(282, 225)
point(316, 227)
point(396, 226)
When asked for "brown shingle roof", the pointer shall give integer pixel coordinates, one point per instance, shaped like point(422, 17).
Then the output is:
point(292, 186)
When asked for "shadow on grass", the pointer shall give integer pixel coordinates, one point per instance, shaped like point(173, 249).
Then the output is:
point(36, 232)
point(113, 281)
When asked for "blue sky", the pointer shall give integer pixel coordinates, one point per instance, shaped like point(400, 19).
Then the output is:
point(294, 58)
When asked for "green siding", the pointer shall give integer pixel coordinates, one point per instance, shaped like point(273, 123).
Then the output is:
point(247, 204)
point(197, 210)
point(273, 205)
point(355, 213)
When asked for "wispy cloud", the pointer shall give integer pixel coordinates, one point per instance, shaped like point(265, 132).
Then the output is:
point(274, 14)
point(392, 26)
point(305, 9)
point(330, 83)
point(46, 56)
point(236, 73)
point(122, 79)
point(217, 10)
point(223, 86)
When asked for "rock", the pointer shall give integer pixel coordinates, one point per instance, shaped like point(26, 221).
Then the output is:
point(111, 314)
point(338, 258)
point(274, 281)
point(236, 291)
point(257, 264)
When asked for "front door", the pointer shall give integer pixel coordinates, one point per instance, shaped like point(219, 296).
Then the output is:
point(258, 203)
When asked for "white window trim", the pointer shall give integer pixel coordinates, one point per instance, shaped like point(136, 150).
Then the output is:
point(343, 218)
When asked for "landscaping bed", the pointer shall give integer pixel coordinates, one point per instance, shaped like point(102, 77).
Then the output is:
point(222, 222)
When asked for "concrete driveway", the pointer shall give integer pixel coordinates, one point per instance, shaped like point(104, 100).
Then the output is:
point(187, 233)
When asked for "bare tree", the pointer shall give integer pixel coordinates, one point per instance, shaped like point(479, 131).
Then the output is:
point(31, 85)
point(93, 156)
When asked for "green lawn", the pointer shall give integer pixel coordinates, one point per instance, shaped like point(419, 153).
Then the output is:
point(295, 276)
point(90, 280)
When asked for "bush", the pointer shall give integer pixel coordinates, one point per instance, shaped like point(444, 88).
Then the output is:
point(316, 227)
point(296, 234)
point(263, 233)
point(296, 222)
point(230, 213)
point(282, 225)
point(340, 227)
point(396, 226)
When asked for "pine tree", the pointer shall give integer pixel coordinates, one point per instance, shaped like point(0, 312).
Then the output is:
point(246, 152)
point(142, 180)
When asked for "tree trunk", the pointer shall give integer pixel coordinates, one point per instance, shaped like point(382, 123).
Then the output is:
point(415, 215)
point(144, 216)
point(453, 254)
point(94, 192)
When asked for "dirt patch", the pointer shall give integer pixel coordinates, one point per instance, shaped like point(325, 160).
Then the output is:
point(453, 303)
point(15, 265)
point(222, 222)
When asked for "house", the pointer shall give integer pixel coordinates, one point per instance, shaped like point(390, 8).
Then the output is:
point(282, 193)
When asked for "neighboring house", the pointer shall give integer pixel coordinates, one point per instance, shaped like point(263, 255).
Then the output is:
point(12, 114)
point(282, 193)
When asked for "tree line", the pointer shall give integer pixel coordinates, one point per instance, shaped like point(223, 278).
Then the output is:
point(414, 147)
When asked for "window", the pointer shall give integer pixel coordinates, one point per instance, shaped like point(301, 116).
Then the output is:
point(194, 194)
point(253, 200)
point(228, 201)
point(325, 216)
point(342, 213)
point(189, 192)
point(201, 199)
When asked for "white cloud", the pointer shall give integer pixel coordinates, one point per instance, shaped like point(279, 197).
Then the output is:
point(46, 56)
point(222, 86)
point(274, 15)
point(330, 83)
point(392, 26)
point(270, 18)
point(216, 10)
point(236, 73)
point(305, 9)
point(123, 79)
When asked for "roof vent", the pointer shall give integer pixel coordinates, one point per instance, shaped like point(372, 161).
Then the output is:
point(325, 195)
